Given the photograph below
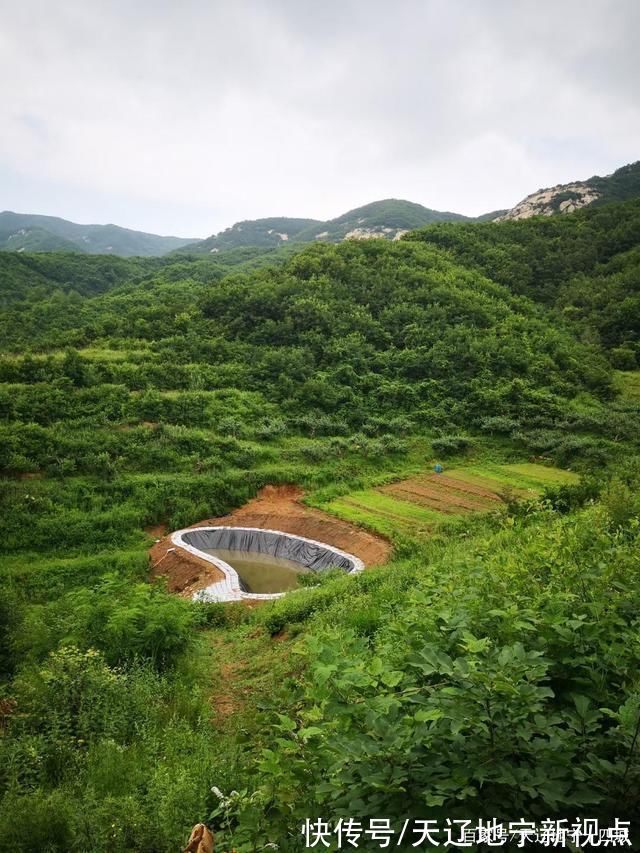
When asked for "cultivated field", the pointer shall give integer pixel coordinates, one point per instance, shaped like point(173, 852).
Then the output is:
point(417, 504)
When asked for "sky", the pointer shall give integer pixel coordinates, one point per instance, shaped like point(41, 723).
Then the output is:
point(185, 116)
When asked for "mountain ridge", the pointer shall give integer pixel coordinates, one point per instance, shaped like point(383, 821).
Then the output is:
point(620, 185)
point(387, 218)
point(267, 232)
point(29, 232)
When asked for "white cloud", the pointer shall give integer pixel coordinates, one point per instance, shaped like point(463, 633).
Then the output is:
point(186, 117)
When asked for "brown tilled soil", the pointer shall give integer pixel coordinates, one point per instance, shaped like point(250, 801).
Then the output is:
point(275, 508)
point(448, 482)
point(445, 494)
point(436, 499)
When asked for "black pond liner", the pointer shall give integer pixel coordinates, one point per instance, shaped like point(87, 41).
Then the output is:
point(313, 555)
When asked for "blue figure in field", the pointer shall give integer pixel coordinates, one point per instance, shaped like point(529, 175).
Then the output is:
point(438, 468)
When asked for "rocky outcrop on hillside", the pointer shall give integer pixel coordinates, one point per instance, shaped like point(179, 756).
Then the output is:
point(362, 233)
point(564, 198)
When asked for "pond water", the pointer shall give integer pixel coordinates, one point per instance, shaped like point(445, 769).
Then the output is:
point(261, 573)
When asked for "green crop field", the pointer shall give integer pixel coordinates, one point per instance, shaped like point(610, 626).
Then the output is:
point(524, 476)
point(389, 514)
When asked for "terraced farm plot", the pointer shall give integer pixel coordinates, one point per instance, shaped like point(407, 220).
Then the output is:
point(416, 505)
point(384, 513)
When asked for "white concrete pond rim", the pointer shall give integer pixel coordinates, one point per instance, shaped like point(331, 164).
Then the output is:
point(309, 553)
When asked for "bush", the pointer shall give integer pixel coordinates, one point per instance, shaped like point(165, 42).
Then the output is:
point(125, 622)
point(105, 759)
point(499, 424)
point(623, 358)
point(220, 615)
point(300, 605)
point(567, 498)
point(270, 429)
point(448, 445)
point(621, 503)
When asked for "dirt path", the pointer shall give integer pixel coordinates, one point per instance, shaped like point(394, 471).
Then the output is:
point(275, 508)
point(249, 668)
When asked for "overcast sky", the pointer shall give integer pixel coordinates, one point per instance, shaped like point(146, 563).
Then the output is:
point(184, 116)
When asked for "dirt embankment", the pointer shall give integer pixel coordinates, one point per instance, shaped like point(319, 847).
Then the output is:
point(275, 508)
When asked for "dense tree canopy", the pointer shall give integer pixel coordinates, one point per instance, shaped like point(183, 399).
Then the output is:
point(585, 265)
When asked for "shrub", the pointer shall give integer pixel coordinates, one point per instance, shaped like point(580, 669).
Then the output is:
point(125, 622)
point(623, 358)
point(448, 445)
point(300, 605)
point(499, 424)
point(270, 429)
point(620, 502)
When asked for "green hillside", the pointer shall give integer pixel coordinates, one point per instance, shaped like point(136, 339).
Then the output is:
point(585, 265)
point(266, 233)
point(621, 185)
point(385, 218)
point(33, 239)
point(388, 219)
point(490, 667)
point(33, 233)
point(489, 217)
point(26, 279)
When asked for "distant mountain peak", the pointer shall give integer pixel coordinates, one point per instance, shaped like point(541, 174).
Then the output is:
point(622, 184)
point(388, 219)
point(269, 232)
point(563, 198)
point(20, 232)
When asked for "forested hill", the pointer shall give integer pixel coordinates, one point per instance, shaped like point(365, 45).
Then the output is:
point(585, 265)
point(338, 330)
point(22, 232)
point(389, 219)
point(392, 218)
point(270, 232)
point(28, 279)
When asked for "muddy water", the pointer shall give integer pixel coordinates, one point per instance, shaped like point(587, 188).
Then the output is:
point(260, 572)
